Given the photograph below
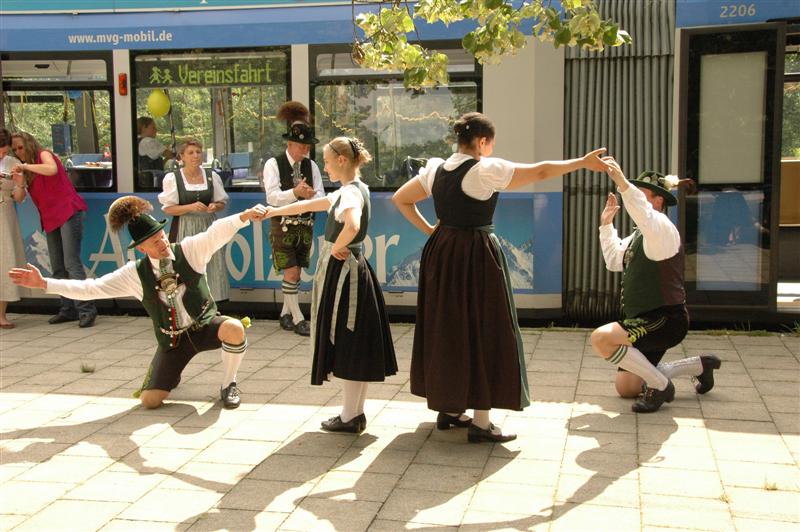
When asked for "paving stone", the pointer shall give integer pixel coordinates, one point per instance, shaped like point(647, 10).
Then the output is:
point(428, 507)
point(73, 515)
point(173, 506)
point(686, 513)
point(266, 495)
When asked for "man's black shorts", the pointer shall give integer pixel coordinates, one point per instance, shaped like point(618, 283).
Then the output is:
point(167, 364)
point(655, 331)
point(291, 247)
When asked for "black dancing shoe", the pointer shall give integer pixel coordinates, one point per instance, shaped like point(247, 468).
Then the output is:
point(303, 328)
point(230, 396)
point(60, 318)
point(475, 434)
point(335, 424)
point(705, 381)
point(287, 323)
point(87, 320)
point(444, 421)
point(653, 399)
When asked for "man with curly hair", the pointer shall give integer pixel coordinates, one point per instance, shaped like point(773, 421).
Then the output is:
point(170, 282)
point(290, 177)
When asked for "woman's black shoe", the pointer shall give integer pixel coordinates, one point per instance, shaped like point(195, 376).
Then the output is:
point(335, 424)
point(705, 381)
point(477, 434)
point(444, 421)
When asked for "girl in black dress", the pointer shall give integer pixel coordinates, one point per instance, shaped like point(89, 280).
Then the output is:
point(349, 325)
point(467, 345)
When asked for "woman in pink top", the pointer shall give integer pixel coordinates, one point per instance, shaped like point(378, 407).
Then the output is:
point(61, 211)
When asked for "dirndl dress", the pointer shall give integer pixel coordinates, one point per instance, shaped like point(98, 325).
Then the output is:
point(350, 331)
point(190, 224)
point(467, 351)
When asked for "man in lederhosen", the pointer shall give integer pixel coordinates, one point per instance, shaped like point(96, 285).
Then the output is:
point(170, 282)
point(290, 177)
point(653, 296)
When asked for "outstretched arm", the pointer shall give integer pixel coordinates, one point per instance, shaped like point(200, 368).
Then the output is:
point(406, 198)
point(525, 174)
point(300, 207)
point(199, 248)
point(123, 282)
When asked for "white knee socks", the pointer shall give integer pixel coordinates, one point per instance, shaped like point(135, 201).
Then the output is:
point(291, 303)
point(232, 356)
point(631, 359)
point(355, 394)
point(691, 366)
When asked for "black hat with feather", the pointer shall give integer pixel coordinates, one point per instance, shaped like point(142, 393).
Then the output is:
point(134, 212)
point(297, 118)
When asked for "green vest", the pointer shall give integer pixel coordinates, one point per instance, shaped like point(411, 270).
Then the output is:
point(647, 284)
point(197, 299)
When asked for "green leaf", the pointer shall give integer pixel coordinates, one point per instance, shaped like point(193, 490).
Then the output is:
point(563, 36)
point(492, 4)
point(407, 23)
point(468, 42)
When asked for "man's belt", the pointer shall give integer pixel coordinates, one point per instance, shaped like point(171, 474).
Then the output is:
point(286, 221)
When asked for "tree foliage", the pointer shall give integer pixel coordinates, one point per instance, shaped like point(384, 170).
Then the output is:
point(500, 32)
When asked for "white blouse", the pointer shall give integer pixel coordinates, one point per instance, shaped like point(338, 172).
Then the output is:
point(481, 181)
point(351, 198)
point(169, 196)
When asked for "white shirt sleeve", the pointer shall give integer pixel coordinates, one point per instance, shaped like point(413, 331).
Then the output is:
point(613, 248)
point(272, 185)
point(661, 238)
point(428, 173)
point(123, 282)
point(494, 173)
point(349, 198)
point(219, 189)
point(198, 249)
point(317, 178)
point(169, 194)
point(151, 147)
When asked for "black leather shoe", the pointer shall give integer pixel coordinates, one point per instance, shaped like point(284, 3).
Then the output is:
point(475, 434)
point(60, 318)
point(87, 320)
point(287, 323)
point(653, 399)
point(444, 421)
point(230, 396)
point(303, 328)
point(335, 424)
point(705, 381)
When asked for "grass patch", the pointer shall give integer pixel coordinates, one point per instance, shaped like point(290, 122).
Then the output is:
point(770, 486)
point(87, 368)
point(724, 498)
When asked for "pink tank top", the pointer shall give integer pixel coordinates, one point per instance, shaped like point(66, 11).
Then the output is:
point(55, 197)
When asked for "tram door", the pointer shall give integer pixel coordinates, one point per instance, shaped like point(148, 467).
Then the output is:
point(729, 123)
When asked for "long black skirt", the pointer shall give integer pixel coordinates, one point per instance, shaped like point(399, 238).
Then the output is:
point(365, 353)
point(467, 344)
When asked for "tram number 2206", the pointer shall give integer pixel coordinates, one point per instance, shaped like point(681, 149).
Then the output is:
point(737, 10)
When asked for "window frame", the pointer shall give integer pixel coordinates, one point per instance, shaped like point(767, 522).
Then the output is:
point(370, 76)
point(10, 85)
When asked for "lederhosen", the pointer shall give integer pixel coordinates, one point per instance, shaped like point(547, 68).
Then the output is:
point(653, 300)
point(185, 197)
point(467, 349)
point(178, 343)
point(349, 325)
point(290, 236)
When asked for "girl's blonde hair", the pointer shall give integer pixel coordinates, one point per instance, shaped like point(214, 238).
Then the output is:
point(351, 149)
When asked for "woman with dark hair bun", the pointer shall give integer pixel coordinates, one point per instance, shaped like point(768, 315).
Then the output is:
point(467, 345)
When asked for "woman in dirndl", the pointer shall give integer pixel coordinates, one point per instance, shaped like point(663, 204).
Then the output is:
point(193, 196)
point(349, 324)
point(467, 350)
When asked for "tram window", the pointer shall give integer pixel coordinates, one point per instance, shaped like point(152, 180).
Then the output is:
point(397, 126)
point(227, 100)
point(73, 124)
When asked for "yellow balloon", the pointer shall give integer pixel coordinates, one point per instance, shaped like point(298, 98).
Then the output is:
point(158, 103)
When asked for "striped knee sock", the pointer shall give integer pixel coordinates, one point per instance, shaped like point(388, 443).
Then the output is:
point(631, 359)
point(293, 301)
point(232, 356)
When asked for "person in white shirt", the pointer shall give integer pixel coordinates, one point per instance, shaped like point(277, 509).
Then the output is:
point(12, 252)
point(467, 350)
point(170, 282)
point(350, 330)
point(653, 295)
point(290, 177)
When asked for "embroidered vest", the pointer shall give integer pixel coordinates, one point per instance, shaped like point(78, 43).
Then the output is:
point(647, 284)
point(197, 299)
point(286, 173)
point(333, 228)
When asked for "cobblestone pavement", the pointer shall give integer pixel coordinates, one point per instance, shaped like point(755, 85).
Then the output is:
point(78, 453)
